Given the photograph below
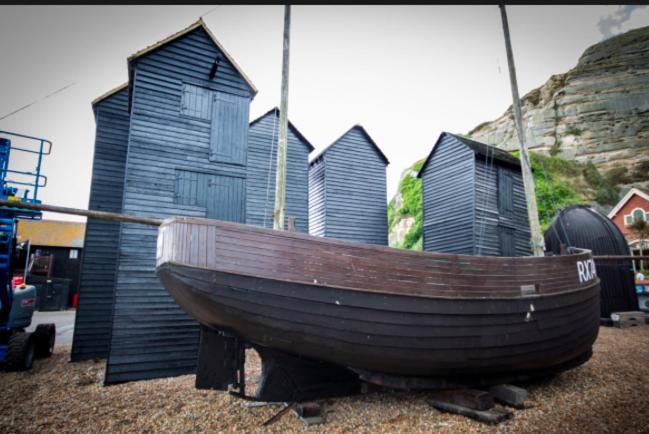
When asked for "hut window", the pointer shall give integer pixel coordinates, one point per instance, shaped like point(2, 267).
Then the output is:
point(628, 219)
point(74, 254)
point(196, 102)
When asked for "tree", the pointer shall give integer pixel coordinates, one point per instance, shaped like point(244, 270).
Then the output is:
point(640, 229)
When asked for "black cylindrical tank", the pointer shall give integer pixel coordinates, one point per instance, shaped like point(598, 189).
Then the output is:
point(584, 227)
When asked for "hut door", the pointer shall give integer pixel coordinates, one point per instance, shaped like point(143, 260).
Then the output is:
point(226, 198)
point(507, 241)
point(229, 135)
point(505, 193)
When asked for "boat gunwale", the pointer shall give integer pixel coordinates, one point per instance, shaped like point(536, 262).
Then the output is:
point(579, 252)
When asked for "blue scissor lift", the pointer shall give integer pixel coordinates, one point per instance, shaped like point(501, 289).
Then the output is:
point(17, 347)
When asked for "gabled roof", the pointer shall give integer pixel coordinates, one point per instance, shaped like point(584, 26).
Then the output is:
point(198, 24)
point(478, 148)
point(367, 137)
point(108, 94)
point(634, 191)
point(275, 110)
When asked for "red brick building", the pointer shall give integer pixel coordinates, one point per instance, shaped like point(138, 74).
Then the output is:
point(633, 206)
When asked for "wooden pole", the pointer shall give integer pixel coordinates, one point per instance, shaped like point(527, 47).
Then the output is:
point(101, 215)
point(537, 241)
point(280, 177)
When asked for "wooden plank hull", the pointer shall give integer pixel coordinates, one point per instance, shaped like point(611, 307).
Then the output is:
point(428, 315)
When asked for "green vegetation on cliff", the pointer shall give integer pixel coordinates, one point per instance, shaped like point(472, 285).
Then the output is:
point(559, 183)
point(410, 205)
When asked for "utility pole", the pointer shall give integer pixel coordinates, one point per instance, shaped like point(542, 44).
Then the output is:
point(280, 174)
point(536, 240)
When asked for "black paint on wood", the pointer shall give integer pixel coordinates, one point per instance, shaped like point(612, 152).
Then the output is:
point(473, 200)
point(186, 156)
point(99, 260)
point(347, 190)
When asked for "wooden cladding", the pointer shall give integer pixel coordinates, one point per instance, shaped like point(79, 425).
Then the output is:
point(229, 135)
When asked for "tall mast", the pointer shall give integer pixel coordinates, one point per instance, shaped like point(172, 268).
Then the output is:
point(280, 177)
point(536, 237)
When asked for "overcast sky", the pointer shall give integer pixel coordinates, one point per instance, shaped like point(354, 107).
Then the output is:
point(406, 73)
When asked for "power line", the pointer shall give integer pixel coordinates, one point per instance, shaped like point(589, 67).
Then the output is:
point(37, 101)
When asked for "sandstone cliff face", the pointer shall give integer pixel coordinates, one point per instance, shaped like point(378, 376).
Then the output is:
point(597, 111)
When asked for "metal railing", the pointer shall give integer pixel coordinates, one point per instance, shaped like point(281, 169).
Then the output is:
point(36, 179)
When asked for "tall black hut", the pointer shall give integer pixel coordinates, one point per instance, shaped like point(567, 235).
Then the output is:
point(473, 200)
point(347, 190)
point(187, 153)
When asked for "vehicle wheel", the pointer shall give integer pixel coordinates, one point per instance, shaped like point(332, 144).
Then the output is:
point(44, 337)
point(20, 352)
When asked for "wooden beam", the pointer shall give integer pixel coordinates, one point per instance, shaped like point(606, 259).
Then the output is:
point(101, 215)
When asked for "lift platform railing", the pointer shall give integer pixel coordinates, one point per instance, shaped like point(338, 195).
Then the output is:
point(11, 179)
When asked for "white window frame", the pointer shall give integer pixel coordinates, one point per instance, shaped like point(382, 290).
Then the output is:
point(632, 217)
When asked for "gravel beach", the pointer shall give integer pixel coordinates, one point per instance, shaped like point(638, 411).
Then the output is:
point(610, 393)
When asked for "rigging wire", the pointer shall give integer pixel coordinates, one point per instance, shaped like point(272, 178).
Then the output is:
point(489, 167)
point(36, 101)
point(210, 11)
point(273, 141)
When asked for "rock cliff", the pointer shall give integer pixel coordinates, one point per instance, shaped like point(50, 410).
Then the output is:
point(598, 111)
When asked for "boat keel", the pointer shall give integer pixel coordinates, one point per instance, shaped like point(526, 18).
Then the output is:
point(289, 378)
point(284, 378)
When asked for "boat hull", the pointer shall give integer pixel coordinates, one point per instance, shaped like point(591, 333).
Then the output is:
point(395, 333)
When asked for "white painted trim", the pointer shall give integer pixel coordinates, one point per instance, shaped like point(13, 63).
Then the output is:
point(625, 199)
point(644, 215)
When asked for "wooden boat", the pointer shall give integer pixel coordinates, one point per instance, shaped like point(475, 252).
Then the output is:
point(387, 314)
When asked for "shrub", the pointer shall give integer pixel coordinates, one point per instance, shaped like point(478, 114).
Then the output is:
point(573, 131)
point(617, 175)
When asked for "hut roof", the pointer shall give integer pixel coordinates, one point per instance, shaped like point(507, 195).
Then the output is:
point(275, 111)
point(367, 137)
point(478, 148)
point(108, 94)
point(198, 24)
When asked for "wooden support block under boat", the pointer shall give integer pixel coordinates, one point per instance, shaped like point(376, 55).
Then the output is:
point(383, 310)
point(470, 398)
point(492, 416)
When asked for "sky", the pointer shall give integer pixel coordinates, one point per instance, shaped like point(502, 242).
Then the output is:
point(406, 73)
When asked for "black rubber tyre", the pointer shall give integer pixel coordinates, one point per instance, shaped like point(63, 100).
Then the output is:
point(44, 337)
point(20, 353)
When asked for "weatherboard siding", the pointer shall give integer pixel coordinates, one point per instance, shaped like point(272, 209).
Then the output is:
point(488, 215)
point(317, 215)
point(355, 197)
point(472, 203)
point(151, 336)
point(262, 165)
point(448, 196)
point(99, 258)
